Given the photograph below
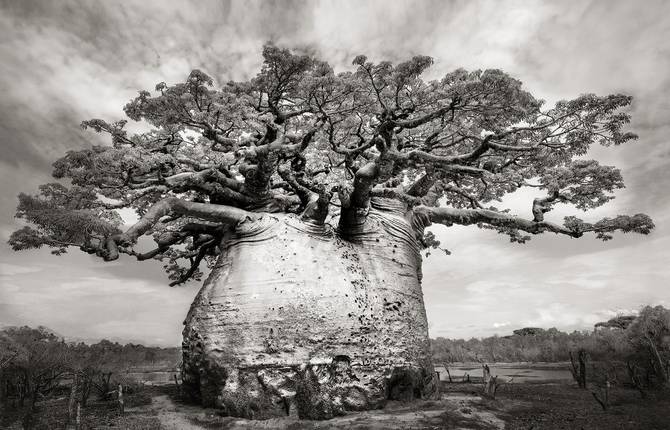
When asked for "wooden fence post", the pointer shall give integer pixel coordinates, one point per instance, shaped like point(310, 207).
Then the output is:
point(73, 397)
point(446, 368)
point(78, 415)
point(120, 396)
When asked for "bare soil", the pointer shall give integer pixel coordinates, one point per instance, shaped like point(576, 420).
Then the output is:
point(560, 406)
point(519, 406)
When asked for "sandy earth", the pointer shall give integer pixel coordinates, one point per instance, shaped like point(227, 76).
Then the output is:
point(453, 411)
point(173, 416)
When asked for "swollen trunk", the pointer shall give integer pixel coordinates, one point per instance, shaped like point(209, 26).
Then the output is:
point(297, 319)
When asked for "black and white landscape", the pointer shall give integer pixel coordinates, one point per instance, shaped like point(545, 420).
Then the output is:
point(316, 214)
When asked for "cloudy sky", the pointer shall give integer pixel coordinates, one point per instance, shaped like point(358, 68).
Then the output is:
point(65, 61)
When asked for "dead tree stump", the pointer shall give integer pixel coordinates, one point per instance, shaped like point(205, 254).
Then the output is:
point(490, 382)
point(578, 368)
point(446, 368)
point(603, 397)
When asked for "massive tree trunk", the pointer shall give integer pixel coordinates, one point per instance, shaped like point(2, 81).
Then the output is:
point(297, 318)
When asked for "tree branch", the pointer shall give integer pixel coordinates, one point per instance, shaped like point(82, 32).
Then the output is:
point(450, 216)
point(415, 122)
point(209, 212)
point(573, 227)
point(194, 265)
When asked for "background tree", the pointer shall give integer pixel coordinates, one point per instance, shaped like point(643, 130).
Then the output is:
point(39, 361)
point(319, 186)
point(530, 331)
point(9, 351)
point(618, 322)
point(649, 335)
point(94, 366)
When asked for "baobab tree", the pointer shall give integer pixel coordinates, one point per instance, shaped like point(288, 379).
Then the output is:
point(308, 194)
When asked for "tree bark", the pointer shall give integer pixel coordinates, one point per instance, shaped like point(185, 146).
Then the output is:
point(298, 317)
point(3, 387)
point(74, 392)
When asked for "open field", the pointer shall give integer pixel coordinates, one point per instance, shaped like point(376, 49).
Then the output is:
point(509, 372)
point(518, 406)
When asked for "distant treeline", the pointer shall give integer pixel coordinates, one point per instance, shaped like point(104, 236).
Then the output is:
point(549, 345)
point(613, 339)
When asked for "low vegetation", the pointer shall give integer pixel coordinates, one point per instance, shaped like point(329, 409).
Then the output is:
point(48, 383)
point(638, 338)
point(629, 353)
point(621, 372)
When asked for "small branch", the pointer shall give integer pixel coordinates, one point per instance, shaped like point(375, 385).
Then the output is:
point(195, 264)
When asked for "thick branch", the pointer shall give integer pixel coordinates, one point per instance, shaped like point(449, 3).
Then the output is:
point(544, 205)
point(421, 186)
point(264, 159)
point(313, 199)
point(173, 206)
point(415, 122)
point(395, 193)
point(355, 203)
point(573, 227)
point(364, 180)
point(201, 178)
point(446, 163)
point(450, 216)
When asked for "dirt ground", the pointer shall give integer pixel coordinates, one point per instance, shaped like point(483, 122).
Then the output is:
point(519, 406)
point(454, 411)
point(527, 406)
point(561, 406)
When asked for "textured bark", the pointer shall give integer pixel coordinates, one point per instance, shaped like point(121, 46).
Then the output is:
point(298, 319)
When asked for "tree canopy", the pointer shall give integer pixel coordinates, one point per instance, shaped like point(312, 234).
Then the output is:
point(301, 138)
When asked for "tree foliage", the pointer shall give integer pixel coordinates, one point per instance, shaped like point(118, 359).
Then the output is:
point(619, 322)
point(37, 360)
point(649, 335)
point(301, 138)
point(630, 348)
point(35, 363)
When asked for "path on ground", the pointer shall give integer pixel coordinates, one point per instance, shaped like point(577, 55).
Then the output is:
point(457, 412)
point(173, 416)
